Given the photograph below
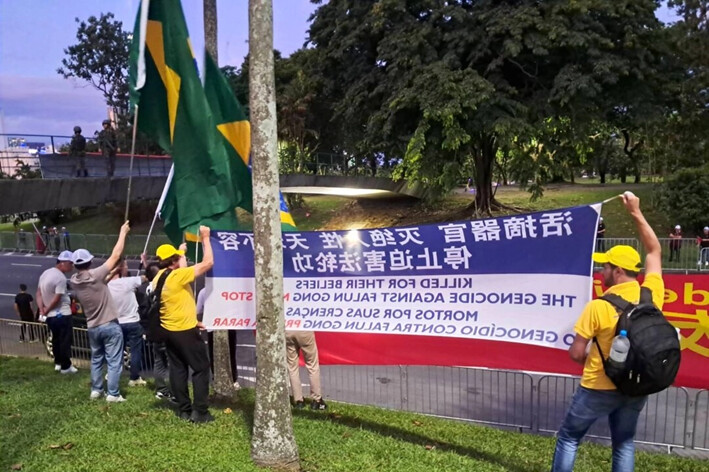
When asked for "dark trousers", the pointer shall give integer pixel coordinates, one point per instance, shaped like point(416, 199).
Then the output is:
point(185, 350)
point(62, 331)
point(29, 318)
point(232, 353)
point(160, 371)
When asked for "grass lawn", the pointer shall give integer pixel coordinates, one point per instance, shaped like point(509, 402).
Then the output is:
point(48, 424)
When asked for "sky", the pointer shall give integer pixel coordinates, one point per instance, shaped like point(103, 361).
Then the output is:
point(34, 99)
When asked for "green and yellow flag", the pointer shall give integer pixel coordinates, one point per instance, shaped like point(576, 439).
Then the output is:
point(233, 125)
point(173, 110)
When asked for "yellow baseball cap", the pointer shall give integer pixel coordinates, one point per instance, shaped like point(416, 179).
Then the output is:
point(624, 257)
point(166, 251)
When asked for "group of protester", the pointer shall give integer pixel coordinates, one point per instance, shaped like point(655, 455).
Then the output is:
point(113, 303)
point(107, 296)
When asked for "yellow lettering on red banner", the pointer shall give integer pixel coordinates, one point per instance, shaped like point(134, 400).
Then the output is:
point(694, 329)
point(695, 297)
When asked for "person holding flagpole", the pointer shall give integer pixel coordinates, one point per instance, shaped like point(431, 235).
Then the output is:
point(178, 317)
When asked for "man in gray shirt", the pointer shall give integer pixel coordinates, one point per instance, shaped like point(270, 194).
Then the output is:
point(105, 335)
point(54, 305)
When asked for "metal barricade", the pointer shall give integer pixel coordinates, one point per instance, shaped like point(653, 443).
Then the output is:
point(700, 439)
point(682, 254)
point(23, 339)
point(662, 422)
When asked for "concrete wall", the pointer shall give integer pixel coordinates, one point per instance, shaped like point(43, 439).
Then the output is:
point(18, 196)
point(35, 195)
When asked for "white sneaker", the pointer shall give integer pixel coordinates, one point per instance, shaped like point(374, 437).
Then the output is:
point(237, 386)
point(95, 395)
point(70, 370)
point(57, 367)
point(115, 398)
point(139, 382)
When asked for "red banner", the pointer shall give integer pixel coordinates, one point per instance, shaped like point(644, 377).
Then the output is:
point(686, 307)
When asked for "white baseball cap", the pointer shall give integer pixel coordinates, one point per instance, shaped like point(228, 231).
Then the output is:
point(678, 227)
point(66, 256)
point(706, 228)
point(82, 256)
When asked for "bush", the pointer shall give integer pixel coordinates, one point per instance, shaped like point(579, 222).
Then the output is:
point(685, 196)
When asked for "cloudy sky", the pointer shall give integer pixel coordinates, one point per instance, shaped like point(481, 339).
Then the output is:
point(34, 99)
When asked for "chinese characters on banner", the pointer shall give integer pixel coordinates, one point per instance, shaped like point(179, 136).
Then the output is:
point(519, 279)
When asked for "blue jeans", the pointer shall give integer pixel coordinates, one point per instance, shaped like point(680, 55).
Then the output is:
point(133, 337)
point(586, 407)
point(106, 345)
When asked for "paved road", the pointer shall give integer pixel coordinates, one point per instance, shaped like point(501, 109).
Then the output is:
point(505, 398)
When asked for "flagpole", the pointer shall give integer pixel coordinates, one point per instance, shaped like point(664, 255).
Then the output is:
point(160, 204)
point(132, 156)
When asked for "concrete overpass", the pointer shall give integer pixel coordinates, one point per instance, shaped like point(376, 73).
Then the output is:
point(30, 195)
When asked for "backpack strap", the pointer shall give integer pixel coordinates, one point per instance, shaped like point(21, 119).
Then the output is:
point(623, 307)
point(645, 296)
point(161, 284)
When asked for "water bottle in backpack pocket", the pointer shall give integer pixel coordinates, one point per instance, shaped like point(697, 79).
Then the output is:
point(645, 354)
point(619, 349)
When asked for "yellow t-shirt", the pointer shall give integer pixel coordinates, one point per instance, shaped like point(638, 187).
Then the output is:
point(599, 319)
point(178, 311)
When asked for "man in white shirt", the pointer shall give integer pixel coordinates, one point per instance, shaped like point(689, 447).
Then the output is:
point(122, 288)
point(54, 304)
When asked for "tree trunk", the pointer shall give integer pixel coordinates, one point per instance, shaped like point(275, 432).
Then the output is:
point(223, 383)
point(210, 28)
point(484, 159)
point(272, 443)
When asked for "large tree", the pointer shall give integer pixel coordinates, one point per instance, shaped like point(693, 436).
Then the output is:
point(100, 57)
point(272, 443)
point(223, 384)
point(443, 84)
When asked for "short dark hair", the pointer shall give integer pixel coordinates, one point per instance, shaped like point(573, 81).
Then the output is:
point(23, 287)
point(165, 263)
point(83, 266)
point(151, 271)
point(629, 273)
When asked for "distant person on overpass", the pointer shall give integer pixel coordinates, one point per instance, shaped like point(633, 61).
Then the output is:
point(108, 143)
point(77, 150)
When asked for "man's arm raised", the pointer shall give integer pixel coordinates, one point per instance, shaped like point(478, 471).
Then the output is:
point(208, 258)
point(653, 249)
point(118, 248)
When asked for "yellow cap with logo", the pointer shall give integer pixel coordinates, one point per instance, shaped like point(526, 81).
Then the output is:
point(166, 251)
point(625, 257)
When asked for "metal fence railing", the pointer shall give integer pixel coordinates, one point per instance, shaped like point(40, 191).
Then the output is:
point(95, 243)
point(674, 418)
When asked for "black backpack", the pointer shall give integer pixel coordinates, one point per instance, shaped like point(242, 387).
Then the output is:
point(155, 331)
point(654, 356)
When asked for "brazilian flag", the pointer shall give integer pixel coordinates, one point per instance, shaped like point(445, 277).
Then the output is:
point(173, 110)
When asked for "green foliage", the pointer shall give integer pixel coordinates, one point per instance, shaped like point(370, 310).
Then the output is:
point(100, 57)
point(445, 86)
point(26, 171)
point(685, 195)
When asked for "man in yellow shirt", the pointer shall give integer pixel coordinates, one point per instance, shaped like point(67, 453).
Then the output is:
point(178, 315)
point(597, 395)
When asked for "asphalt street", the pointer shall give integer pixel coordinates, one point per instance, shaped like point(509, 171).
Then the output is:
point(513, 399)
